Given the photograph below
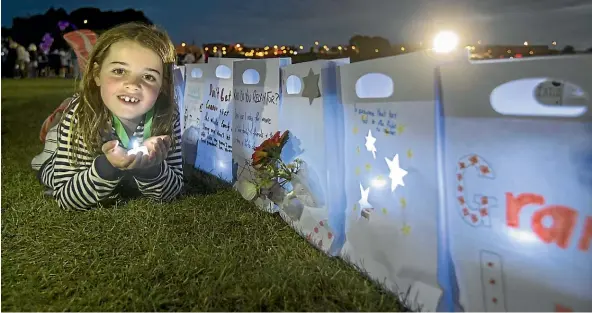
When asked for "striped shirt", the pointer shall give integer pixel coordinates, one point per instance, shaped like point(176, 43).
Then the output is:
point(93, 179)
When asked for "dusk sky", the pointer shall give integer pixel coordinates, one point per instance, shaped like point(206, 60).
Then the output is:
point(267, 22)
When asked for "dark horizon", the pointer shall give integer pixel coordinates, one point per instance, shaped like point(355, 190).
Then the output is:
point(264, 22)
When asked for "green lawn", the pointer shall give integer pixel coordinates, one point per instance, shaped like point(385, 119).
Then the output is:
point(208, 251)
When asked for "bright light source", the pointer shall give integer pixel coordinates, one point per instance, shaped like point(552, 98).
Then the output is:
point(526, 43)
point(85, 21)
point(445, 42)
point(182, 44)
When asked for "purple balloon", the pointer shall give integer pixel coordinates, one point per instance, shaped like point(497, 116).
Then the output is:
point(63, 25)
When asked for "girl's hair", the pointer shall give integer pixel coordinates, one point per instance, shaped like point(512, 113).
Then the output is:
point(93, 117)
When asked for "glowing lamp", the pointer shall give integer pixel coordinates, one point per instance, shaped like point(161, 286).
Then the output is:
point(137, 148)
point(445, 42)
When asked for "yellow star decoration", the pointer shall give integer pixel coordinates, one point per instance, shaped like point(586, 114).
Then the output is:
point(355, 207)
point(384, 211)
point(358, 149)
point(409, 153)
point(406, 229)
point(355, 130)
point(403, 202)
point(364, 117)
point(358, 171)
point(368, 167)
point(400, 129)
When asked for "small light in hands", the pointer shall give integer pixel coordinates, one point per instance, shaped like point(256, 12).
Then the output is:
point(137, 148)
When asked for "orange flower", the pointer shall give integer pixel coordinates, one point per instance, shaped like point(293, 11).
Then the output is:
point(270, 149)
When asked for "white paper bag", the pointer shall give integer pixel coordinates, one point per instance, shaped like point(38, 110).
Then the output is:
point(309, 93)
point(256, 102)
point(517, 168)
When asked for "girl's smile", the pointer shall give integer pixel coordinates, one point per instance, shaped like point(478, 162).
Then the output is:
point(130, 80)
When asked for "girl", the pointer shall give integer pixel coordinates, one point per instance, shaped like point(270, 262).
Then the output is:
point(125, 95)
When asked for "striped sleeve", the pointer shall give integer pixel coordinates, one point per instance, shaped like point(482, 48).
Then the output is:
point(169, 183)
point(79, 186)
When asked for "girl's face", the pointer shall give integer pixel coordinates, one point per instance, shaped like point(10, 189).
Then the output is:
point(130, 79)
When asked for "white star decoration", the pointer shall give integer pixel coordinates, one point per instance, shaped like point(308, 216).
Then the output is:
point(370, 143)
point(396, 172)
point(364, 204)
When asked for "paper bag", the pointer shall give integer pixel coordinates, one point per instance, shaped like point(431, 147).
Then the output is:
point(390, 173)
point(517, 162)
point(193, 104)
point(214, 152)
point(256, 102)
point(315, 207)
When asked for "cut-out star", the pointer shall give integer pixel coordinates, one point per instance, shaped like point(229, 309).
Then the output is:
point(400, 129)
point(403, 202)
point(358, 171)
point(370, 143)
point(355, 207)
point(396, 172)
point(311, 86)
point(409, 153)
point(358, 149)
point(355, 130)
point(384, 211)
point(364, 204)
point(368, 167)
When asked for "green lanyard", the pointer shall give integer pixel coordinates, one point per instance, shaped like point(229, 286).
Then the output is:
point(122, 134)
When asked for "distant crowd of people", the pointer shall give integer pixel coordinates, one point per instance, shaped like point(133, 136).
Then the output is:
point(191, 56)
point(31, 62)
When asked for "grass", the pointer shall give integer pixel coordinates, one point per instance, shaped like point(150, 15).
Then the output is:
point(208, 251)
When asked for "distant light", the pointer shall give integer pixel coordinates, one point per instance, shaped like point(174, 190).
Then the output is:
point(445, 42)
point(284, 51)
point(266, 47)
point(353, 47)
point(182, 44)
point(479, 42)
point(224, 52)
point(301, 47)
point(509, 51)
point(376, 50)
point(554, 43)
point(316, 43)
point(266, 52)
point(207, 49)
point(275, 53)
point(531, 52)
point(238, 45)
point(402, 48)
point(526, 43)
point(283, 47)
point(295, 52)
point(340, 48)
point(275, 47)
point(85, 21)
point(224, 48)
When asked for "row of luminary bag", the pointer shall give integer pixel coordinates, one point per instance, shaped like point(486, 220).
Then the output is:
point(450, 182)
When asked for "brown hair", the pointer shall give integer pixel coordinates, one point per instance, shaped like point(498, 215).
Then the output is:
point(92, 116)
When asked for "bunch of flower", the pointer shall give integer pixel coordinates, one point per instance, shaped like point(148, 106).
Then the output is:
point(270, 170)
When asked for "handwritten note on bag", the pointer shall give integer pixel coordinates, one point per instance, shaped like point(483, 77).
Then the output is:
point(255, 116)
point(217, 120)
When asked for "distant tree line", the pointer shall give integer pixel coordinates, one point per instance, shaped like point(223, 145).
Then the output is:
point(31, 29)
